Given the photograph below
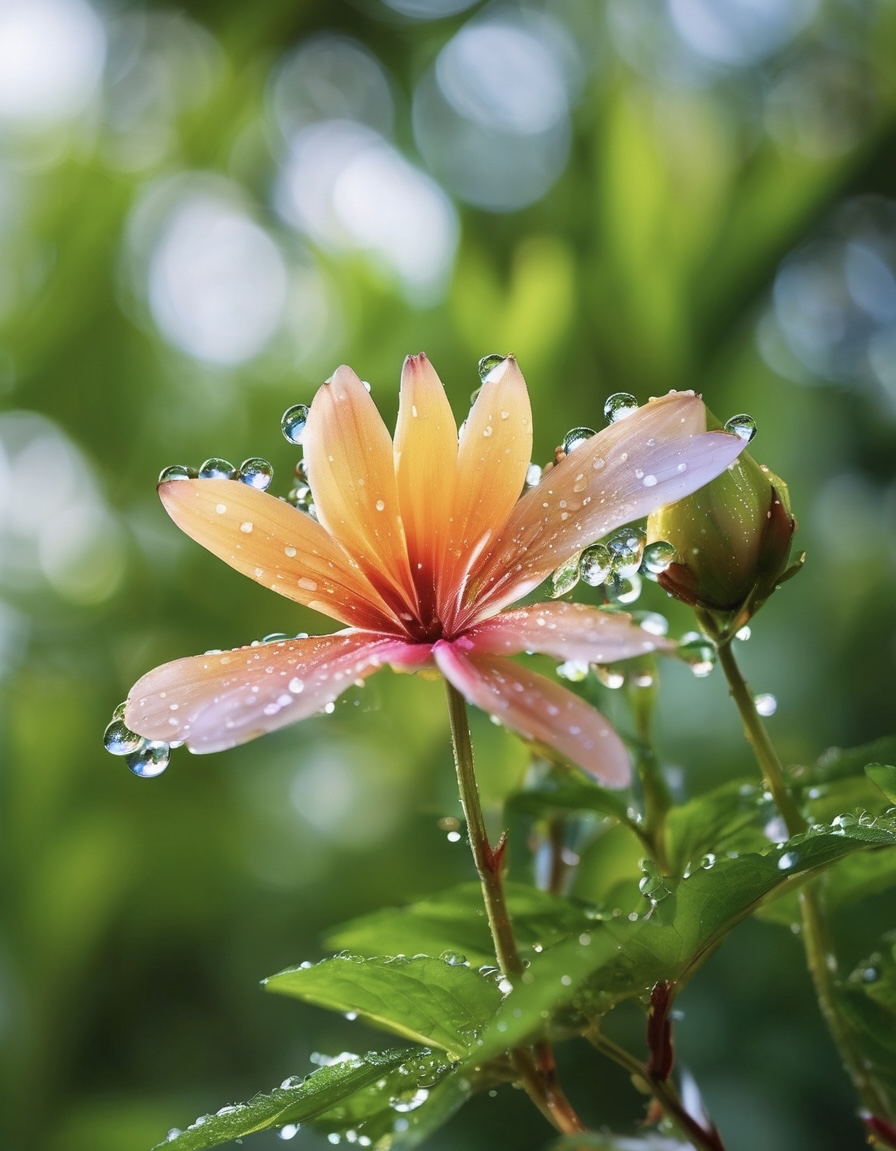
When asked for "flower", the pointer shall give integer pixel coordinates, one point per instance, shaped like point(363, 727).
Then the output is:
point(420, 546)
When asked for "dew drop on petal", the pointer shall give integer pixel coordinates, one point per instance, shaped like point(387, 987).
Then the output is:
point(177, 472)
point(618, 406)
point(595, 565)
point(217, 469)
point(151, 760)
point(742, 425)
point(533, 475)
point(576, 437)
point(658, 556)
point(256, 472)
point(246, 527)
point(488, 364)
point(120, 740)
point(564, 579)
point(293, 421)
point(626, 547)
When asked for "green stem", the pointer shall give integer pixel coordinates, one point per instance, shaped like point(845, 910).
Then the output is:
point(538, 1078)
point(705, 1138)
point(820, 955)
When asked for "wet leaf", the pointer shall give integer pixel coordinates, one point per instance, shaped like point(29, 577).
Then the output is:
point(309, 1098)
point(454, 920)
point(437, 1002)
point(884, 776)
point(728, 818)
point(555, 796)
point(622, 958)
point(868, 1000)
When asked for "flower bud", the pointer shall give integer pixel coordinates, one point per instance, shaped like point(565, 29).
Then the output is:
point(732, 540)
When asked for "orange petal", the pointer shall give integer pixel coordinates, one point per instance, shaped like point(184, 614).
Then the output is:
point(222, 699)
point(493, 456)
point(351, 472)
point(425, 461)
point(653, 457)
point(274, 543)
point(572, 631)
point(539, 710)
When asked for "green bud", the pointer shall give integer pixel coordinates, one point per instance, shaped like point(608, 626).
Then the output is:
point(732, 541)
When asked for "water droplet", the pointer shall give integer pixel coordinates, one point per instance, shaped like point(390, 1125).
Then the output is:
point(652, 885)
point(595, 565)
point(609, 676)
point(708, 861)
point(380, 505)
point(409, 1100)
point(743, 426)
point(289, 1131)
point(658, 556)
point(256, 472)
point(177, 472)
point(454, 959)
point(293, 421)
point(564, 579)
point(173, 1134)
point(652, 622)
point(575, 438)
point(533, 475)
point(626, 547)
point(743, 633)
point(788, 859)
point(624, 590)
point(151, 759)
point(291, 1081)
point(488, 364)
point(120, 740)
point(573, 670)
point(618, 406)
point(215, 469)
point(765, 704)
point(844, 822)
point(275, 637)
point(698, 653)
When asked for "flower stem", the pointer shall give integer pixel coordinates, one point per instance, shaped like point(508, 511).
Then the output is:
point(705, 1138)
point(820, 955)
point(538, 1076)
point(488, 859)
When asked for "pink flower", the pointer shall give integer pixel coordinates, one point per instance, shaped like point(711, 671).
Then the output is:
point(420, 546)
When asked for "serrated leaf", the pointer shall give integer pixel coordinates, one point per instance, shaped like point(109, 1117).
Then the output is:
point(455, 920)
point(883, 775)
point(430, 1001)
point(619, 959)
point(314, 1096)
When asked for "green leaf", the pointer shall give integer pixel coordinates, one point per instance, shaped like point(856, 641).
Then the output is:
point(298, 1103)
point(623, 958)
point(607, 1142)
point(728, 818)
point(558, 795)
point(884, 776)
point(454, 920)
point(403, 1108)
point(868, 1000)
point(434, 1002)
point(840, 763)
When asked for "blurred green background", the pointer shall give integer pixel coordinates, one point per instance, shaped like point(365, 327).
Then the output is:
point(204, 208)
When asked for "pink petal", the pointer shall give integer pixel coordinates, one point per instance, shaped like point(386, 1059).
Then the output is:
point(653, 457)
point(351, 471)
point(572, 631)
point(278, 546)
point(222, 699)
point(493, 455)
point(539, 710)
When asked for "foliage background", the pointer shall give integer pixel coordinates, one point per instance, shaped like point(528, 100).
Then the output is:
point(203, 210)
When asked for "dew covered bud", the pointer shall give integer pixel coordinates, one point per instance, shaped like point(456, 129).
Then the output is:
point(732, 540)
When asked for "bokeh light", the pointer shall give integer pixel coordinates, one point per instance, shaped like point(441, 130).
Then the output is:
point(491, 118)
point(349, 189)
point(51, 59)
point(215, 281)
